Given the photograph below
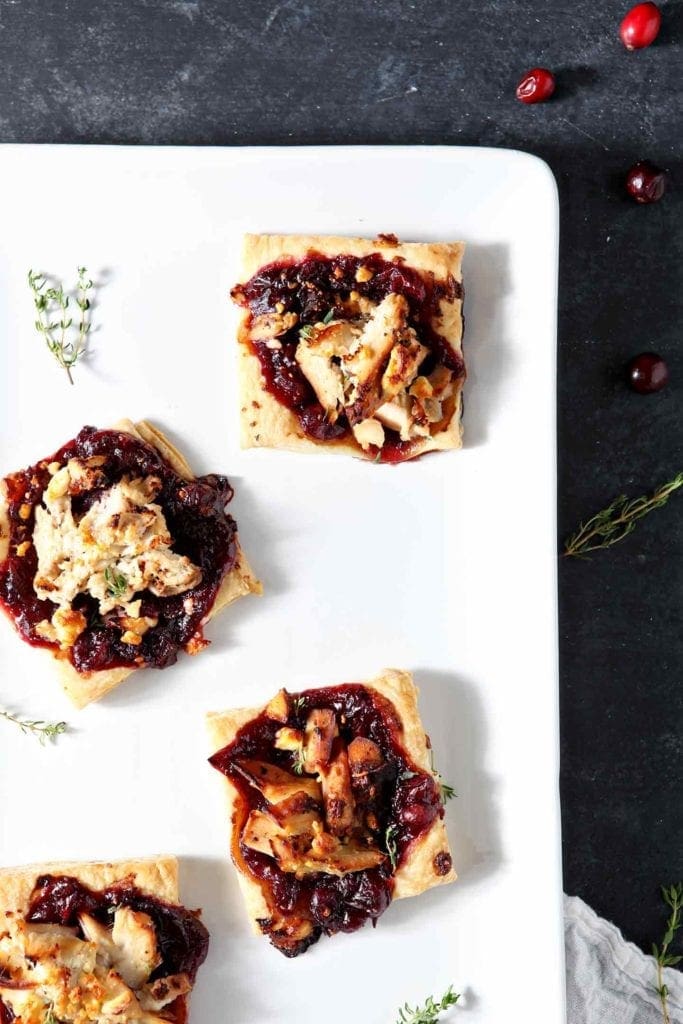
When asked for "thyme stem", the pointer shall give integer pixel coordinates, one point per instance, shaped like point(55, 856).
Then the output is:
point(429, 1013)
point(52, 301)
point(673, 897)
point(37, 727)
point(615, 522)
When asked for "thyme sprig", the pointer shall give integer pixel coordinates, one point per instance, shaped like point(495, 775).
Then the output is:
point(390, 843)
point(43, 731)
point(673, 897)
point(308, 330)
point(429, 1013)
point(117, 584)
point(64, 339)
point(299, 760)
point(50, 1017)
point(447, 792)
point(615, 522)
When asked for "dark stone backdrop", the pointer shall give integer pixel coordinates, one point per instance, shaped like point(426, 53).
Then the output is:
point(289, 72)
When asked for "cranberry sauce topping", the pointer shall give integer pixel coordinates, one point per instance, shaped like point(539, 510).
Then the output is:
point(318, 287)
point(402, 800)
point(182, 939)
point(197, 520)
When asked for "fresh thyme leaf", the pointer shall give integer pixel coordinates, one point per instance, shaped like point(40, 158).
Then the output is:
point(307, 332)
point(429, 1013)
point(117, 584)
point(299, 703)
point(55, 324)
point(329, 316)
point(390, 842)
point(37, 727)
point(673, 897)
point(447, 792)
point(299, 761)
point(615, 522)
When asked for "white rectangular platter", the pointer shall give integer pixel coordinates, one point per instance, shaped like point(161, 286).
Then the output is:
point(445, 567)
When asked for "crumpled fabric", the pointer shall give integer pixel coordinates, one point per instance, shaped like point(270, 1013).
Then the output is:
point(609, 980)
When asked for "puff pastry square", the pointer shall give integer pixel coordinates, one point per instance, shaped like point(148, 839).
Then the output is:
point(334, 807)
point(351, 344)
point(106, 942)
point(113, 556)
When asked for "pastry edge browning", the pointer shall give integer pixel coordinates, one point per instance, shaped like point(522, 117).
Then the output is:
point(157, 876)
point(264, 421)
point(84, 688)
point(153, 876)
point(416, 873)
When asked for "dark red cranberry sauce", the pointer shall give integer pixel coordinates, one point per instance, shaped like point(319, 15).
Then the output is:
point(317, 287)
point(404, 799)
point(200, 527)
point(182, 939)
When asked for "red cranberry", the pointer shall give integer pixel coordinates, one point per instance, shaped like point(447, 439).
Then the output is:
point(645, 183)
point(647, 373)
point(640, 27)
point(536, 86)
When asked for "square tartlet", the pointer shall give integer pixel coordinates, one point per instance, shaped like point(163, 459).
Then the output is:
point(98, 941)
point(351, 344)
point(334, 806)
point(113, 556)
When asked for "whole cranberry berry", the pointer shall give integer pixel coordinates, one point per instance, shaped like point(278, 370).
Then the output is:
point(647, 373)
point(645, 183)
point(536, 86)
point(640, 27)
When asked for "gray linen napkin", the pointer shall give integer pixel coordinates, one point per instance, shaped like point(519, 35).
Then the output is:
point(609, 980)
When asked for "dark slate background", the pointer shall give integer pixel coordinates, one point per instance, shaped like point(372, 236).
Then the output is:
point(235, 73)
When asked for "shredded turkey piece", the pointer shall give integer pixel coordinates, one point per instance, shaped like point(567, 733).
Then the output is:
point(48, 972)
point(119, 547)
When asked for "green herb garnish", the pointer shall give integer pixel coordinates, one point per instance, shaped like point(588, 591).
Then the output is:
point(117, 584)
point(43, 731)
point(299, 761)
point(390, 842)
point(673, 897)
point(447, 792)
point(329, 316)
point(63, 338)
point(429, 1013)
point(619, 519)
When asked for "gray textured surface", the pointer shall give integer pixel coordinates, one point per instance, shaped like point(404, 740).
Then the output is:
point(173, 71)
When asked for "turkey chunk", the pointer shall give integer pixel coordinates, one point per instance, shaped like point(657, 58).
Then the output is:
point(119, 547)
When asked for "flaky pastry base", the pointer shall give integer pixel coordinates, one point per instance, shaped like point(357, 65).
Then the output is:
point(417, 872)
point(84, 688)
point(156, 876)
point(264, 421)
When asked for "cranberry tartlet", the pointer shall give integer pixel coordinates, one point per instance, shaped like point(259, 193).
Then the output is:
point(113, 556)
point(97, 942)
point(351, 344)
point(335, 808)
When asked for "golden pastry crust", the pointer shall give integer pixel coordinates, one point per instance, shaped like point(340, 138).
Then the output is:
point(428, 860)
point(84, 688)
point(157, 876)
point(105, 969)
point(264, 421)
